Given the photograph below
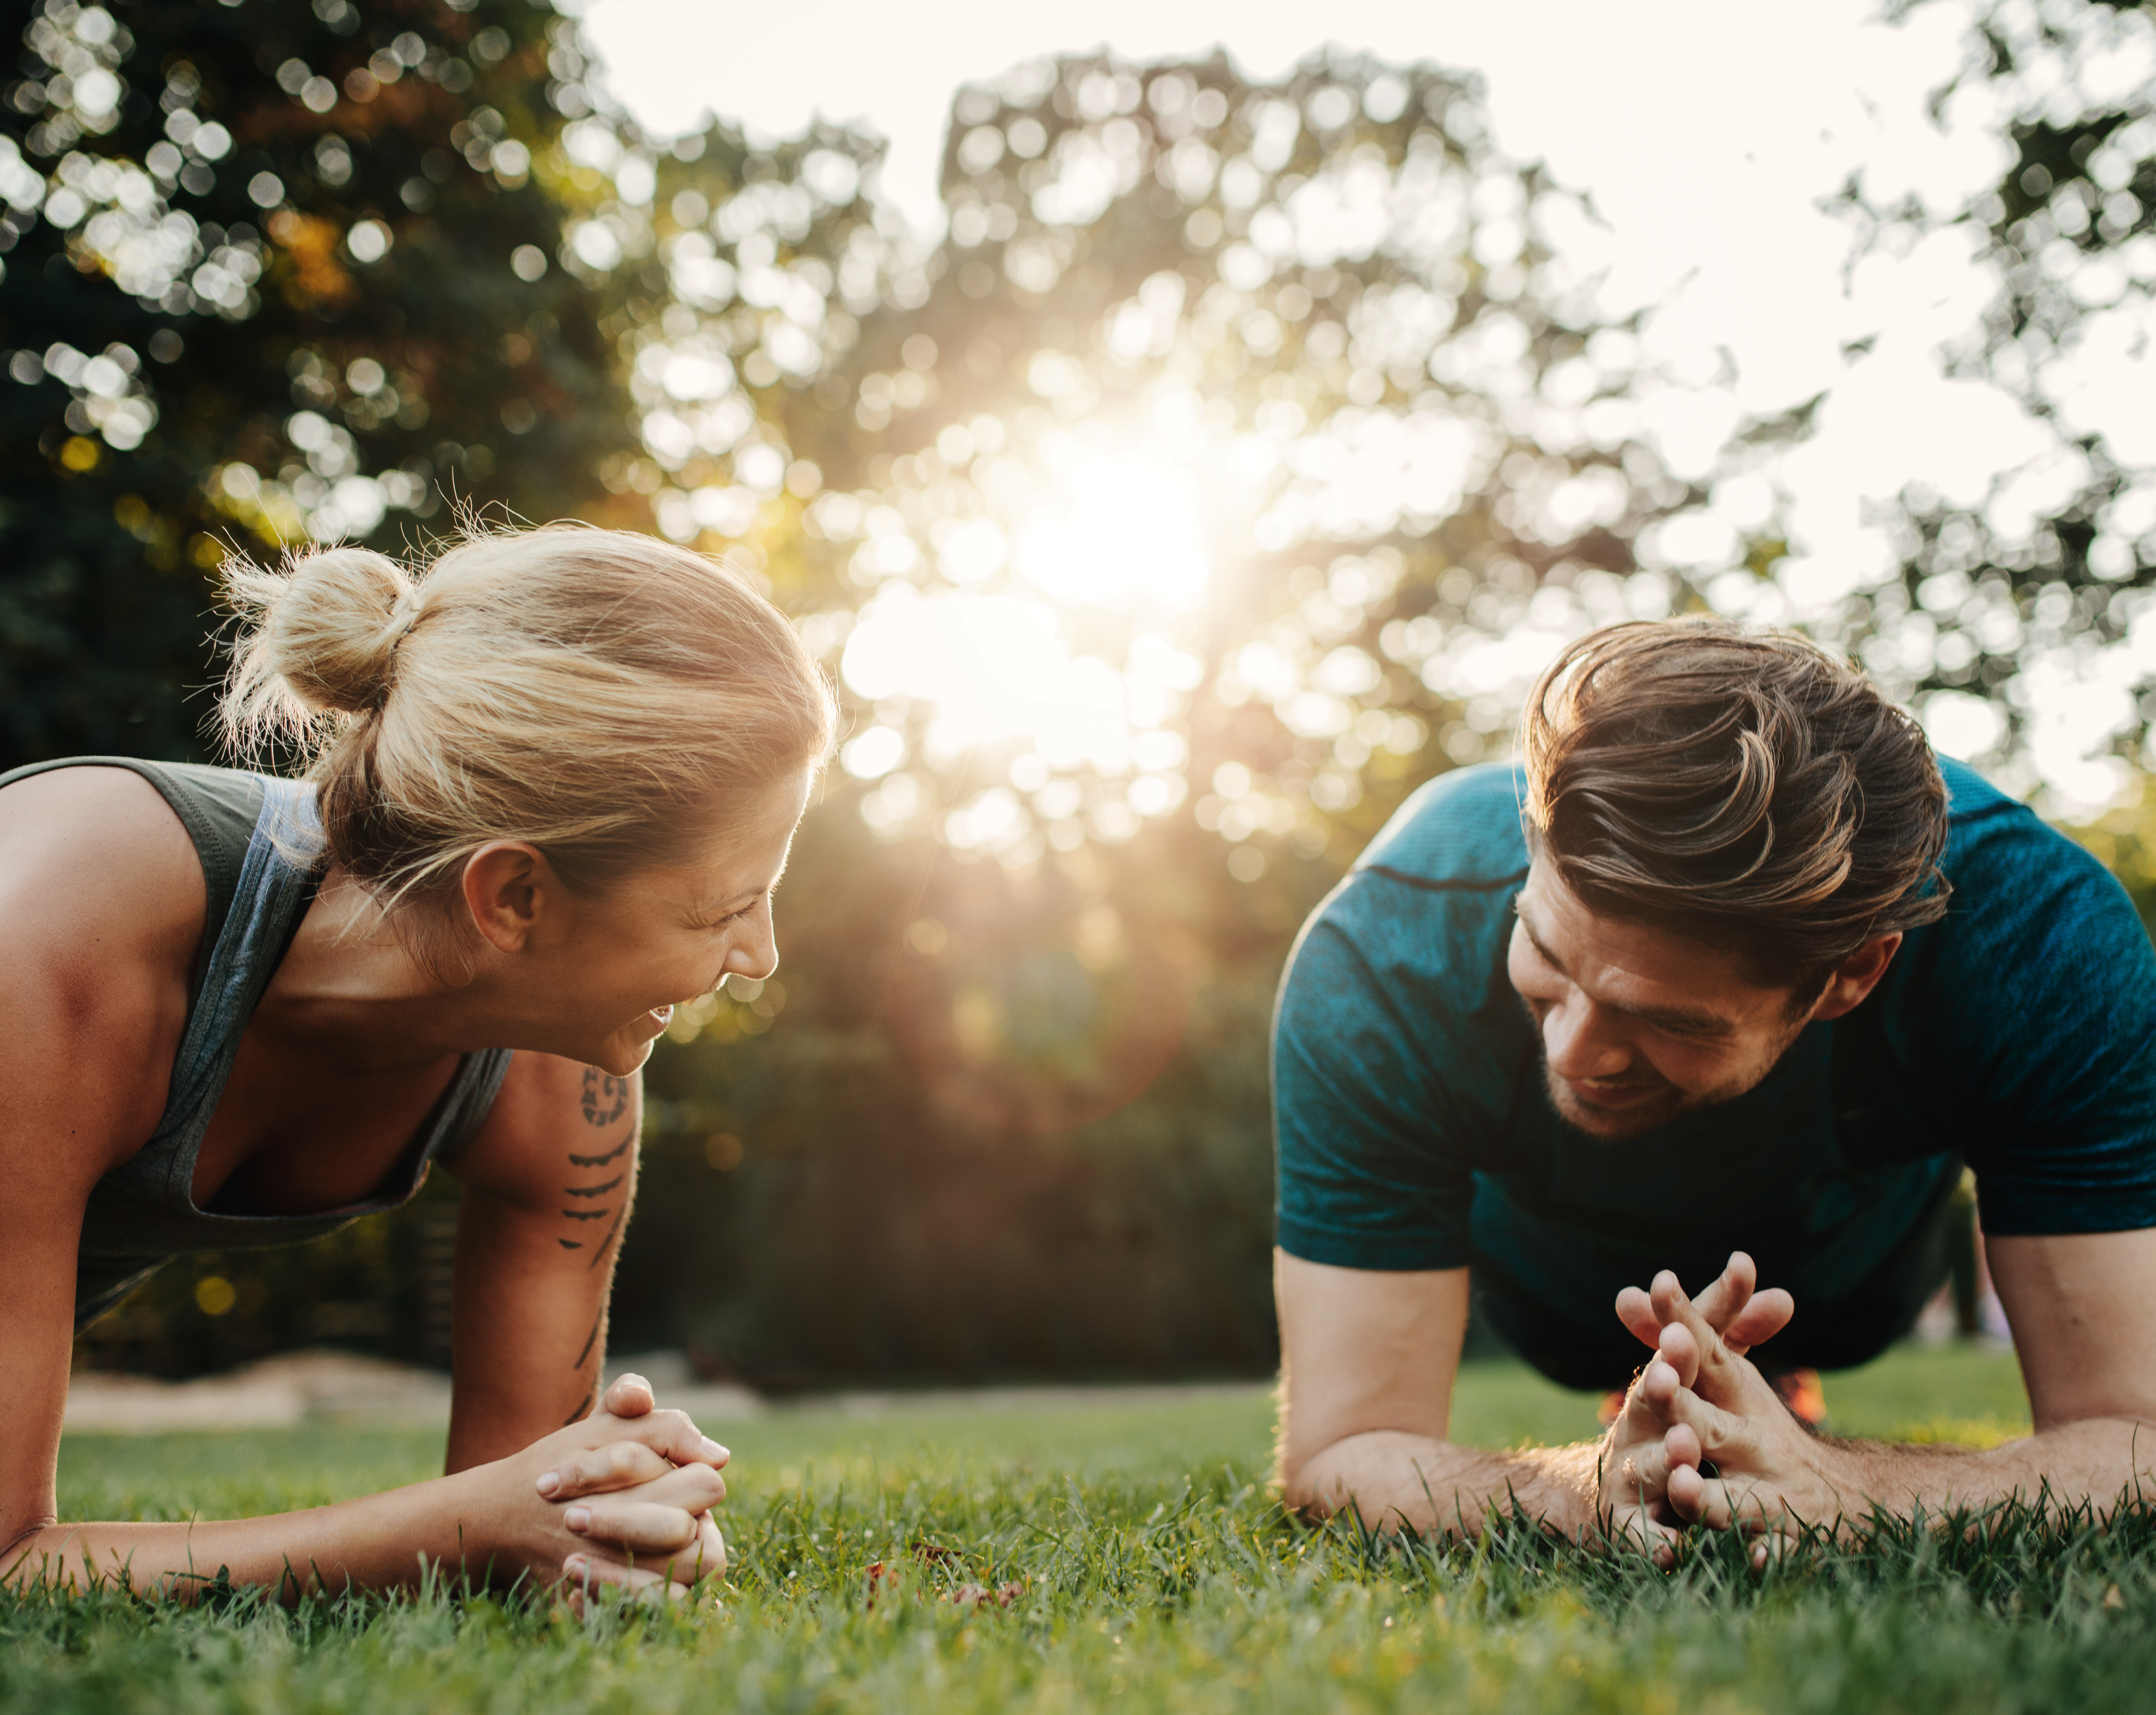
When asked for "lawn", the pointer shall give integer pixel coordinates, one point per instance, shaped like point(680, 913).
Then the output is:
point(1153, 1573)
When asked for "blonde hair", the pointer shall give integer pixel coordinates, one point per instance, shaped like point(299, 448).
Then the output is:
point(603, 695)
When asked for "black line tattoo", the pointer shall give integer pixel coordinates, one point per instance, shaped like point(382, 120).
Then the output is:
point(606, 1098)
point(577, 1415)
point(605, 1243)
point(591, 1339)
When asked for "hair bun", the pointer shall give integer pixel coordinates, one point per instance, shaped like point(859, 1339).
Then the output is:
point(318, 636)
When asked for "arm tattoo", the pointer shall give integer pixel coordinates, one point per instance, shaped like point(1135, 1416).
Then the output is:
point(606, 1099)
point(607, 1242)
point(583, 1357)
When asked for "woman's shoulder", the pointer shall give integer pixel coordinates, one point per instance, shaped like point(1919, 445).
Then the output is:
point(102, 911)
point(96, 867)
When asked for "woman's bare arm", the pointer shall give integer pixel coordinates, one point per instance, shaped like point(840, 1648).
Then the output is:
point(490, 1522)
point(547, 1186)
point(94, 960)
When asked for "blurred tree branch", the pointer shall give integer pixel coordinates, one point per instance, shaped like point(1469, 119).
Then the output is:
point(2035, 594)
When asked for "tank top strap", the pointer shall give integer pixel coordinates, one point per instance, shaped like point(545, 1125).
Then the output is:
point(275, 884)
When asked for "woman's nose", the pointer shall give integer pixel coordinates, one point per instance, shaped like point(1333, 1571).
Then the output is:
point(755, 955)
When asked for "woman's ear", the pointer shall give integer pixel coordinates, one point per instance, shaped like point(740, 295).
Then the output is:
point(508, 885)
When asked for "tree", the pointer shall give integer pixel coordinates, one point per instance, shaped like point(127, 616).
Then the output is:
point(274, 271)
point(1222, 474)
point(2032, 598)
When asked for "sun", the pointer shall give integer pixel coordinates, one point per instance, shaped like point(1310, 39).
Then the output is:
point(1094, 532)
point(1114, 530)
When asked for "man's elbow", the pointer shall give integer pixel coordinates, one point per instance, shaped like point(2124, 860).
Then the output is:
point(1313, 1481)
point(1298, 1493)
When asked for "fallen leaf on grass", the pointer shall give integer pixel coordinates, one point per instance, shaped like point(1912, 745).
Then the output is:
point(974, 1595)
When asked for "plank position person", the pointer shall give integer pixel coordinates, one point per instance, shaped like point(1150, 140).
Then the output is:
point(553, 785)
point(1730, 961)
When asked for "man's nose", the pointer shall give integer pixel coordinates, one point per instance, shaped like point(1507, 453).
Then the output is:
point(1579, 1041)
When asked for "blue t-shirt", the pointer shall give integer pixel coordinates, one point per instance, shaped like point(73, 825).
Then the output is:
point(1413, 1131)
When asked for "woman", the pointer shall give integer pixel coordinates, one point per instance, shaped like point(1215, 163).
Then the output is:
point(552, 786)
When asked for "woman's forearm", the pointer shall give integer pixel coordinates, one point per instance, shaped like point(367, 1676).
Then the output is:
point(621, 1498)
point(374, 1543)
point(1393, 1479)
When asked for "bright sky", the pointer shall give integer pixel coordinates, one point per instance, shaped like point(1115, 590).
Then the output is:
point(1705, 141)
point(1705, 132)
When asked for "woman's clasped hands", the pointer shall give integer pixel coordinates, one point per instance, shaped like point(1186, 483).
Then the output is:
point(622, 1497)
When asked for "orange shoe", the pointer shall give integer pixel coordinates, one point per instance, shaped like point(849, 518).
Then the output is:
point(1801, 1392)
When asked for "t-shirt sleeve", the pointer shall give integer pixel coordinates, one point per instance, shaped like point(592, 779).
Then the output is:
point(1364, 1182)
point(2055, 1061)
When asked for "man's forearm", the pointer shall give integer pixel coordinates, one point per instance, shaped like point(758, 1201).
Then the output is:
point(1394, 1479)
point(2098, 1459)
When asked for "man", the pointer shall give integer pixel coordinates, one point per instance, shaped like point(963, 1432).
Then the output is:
point(1729, 962)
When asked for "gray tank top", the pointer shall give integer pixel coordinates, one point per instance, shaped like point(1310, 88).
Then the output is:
point(255, 835)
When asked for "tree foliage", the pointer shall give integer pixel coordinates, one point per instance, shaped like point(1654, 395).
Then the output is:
point(1216, 477)
point(275, 272)
point(2033, 598)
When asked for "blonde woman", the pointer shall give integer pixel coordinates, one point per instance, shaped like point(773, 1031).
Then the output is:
point(553, 783)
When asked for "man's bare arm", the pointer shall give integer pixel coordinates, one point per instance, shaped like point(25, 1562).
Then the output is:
point(1369, 1359)
point(2083, 1311)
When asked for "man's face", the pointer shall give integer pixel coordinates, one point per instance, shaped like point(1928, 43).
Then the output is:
point(1638, 1025)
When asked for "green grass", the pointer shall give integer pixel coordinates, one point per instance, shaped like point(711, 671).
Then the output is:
point(1156, 1573)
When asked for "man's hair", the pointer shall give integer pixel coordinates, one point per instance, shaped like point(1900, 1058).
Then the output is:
point(1746, 789)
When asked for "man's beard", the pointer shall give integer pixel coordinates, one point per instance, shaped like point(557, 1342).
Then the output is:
point(1610, 1125)
point(1613, 1125)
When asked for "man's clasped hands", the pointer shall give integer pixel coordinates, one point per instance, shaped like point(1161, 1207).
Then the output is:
point(1703, 1438)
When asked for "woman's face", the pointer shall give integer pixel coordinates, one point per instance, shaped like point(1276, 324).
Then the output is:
point(620, 962)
